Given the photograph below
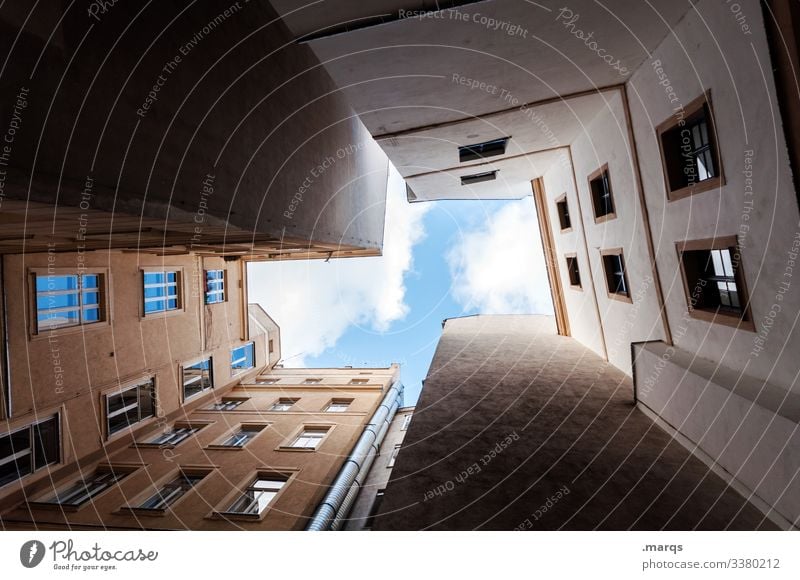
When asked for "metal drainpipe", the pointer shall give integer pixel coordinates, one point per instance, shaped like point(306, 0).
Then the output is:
point(340, 496)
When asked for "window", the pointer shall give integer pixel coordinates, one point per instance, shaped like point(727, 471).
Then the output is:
point(129, 406)
point(283, 404)
point(616, 279)
point(243, 436)
point(171, 492)
point(243, 358)
point(176, 435)
point(563, 213)
point(338, 406)
point(479, 177)
point(257, 496)
point(406, 422)
point(215, 286)
point(359, 381)
point(573, 271)
point(689, 152)
point(161, 291)
point(376, 505)
point(197, 378)
point(29, 449)
point(271, 346)
point(309, 438)
point(267, 381)
point(86, 488)
point(312, 381)
point(714, 284)
point(393, 457)
point(69, 300)
point(602, 197)
point(227, 404)
point(482, 150)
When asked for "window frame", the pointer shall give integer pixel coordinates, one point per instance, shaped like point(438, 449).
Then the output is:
point(572, 258)
point(701, 102)
point(179, 285)
point(283, 401)
point(628, 297)
point(195, 425)
point(193, 363)
point(45, 499)
point(339, 402)
point(210, 409)
point(559, 201)
point(259, 426)
point(244, 485)
point(289, 443)
point(136, 504)
point(118, 390)
point(745, 321)
point(236, 372)
point(598, 173)
point(223, 291)
point(104, 301)
point(32, 445)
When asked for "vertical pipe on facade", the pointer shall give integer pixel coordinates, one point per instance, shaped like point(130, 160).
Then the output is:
point(341, 494)
point(341, 514)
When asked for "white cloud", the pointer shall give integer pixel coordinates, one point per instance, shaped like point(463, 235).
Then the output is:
point(499, 268)
point(314, 302)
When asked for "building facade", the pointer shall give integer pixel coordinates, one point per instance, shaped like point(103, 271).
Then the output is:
point(370, 496)
point(541, 435)
point(179, 128)
point(662, 157)
point(142, 393)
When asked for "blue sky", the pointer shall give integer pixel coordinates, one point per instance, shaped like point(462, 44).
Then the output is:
point(440, 260)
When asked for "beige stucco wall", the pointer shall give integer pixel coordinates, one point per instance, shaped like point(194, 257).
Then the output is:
point(714, 53)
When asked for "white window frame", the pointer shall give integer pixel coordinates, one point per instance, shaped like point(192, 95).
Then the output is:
point(176, 492)
point(303, 437)
point(341, 405)
point(179, 291)
point(107, 415)
point(224, 400)
point(210, 373)
point(220, 291)
point(80, 326)
point(287, 402)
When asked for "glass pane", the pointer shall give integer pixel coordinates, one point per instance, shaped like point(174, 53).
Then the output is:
point(155, 306)
point(154, 277)
point(727, 265)
point(47, 445)
point(172, 277)
point(91, 281)
point(91, 315)
point(246, 504)
point(716, 260)
point(155, 292)
point(51, 301)
point(53, 283)
point(16, 468)
point(57, 319)
point(90, 298)
point(724, 298)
